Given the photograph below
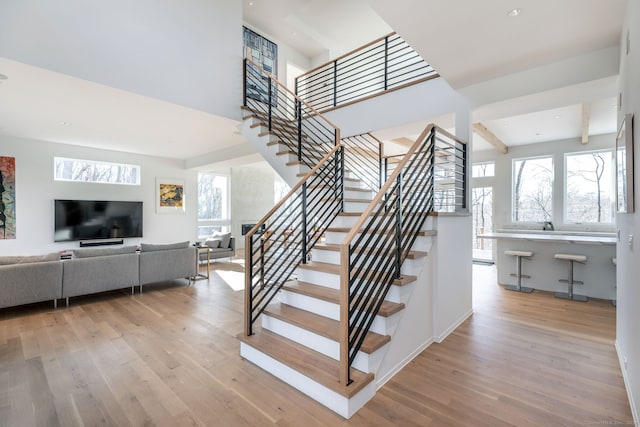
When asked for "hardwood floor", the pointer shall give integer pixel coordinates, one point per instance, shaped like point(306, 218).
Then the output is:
point(168, 357)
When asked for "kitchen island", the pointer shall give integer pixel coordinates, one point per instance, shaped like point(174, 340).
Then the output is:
point(598, 274)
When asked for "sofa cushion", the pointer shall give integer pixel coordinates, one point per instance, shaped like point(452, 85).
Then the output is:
point(93, 252)
point(220, 250)
point(9, 260)
point(147, 247)
point(225, 239)
point(213, 243)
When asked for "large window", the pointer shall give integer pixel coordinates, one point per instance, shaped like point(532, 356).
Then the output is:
point(590, 187)
point(213, 204)
point(93, 171)
point(479, 170)
point(532, 189)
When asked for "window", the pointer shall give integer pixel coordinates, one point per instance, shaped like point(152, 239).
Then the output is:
point(483, 169)
point(93, 171)
point(213, 204)
point(590, 187)
point(532, 189)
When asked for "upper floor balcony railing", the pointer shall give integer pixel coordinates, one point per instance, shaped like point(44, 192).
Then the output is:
point(386, 64)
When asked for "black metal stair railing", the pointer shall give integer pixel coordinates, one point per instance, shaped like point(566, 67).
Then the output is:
point(304, 131)
point(281, 240)
point(364, 159)
point(373, 252)
point(388, 63)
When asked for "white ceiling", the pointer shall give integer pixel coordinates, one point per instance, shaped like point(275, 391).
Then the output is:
point(466, 40)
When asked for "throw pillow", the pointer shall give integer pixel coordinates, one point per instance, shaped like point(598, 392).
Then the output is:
point(213, 243)
point(225, 240)
point(147, 247)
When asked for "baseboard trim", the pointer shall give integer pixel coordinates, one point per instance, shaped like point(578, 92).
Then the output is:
point(634, 410)
point(453, 327)
point(404, 362)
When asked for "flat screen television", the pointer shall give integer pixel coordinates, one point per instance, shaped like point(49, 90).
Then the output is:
point(96, 219)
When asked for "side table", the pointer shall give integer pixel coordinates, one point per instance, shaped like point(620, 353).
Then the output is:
point(200, 276)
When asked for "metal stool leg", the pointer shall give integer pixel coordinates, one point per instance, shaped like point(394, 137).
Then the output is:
point(518, 286)
point(569, 294)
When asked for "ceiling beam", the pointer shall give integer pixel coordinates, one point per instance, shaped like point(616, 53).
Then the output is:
point(586, 112)
point(497, 143)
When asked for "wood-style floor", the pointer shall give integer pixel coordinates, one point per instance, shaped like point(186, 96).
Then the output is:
point(168, 357)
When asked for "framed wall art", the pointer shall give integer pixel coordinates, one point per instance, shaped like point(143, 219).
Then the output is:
point(7, 197)
point(170, 195)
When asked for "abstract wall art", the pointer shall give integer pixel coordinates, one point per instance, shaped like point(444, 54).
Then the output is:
point(7, 198)
point(170, 195)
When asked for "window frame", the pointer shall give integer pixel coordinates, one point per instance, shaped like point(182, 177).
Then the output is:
point(224, 223)
point(138, 168)
point(565, 216)
point(513, 189)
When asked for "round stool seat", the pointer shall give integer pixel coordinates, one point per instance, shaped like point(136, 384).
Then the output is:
point(518, 253)
point(571, 257)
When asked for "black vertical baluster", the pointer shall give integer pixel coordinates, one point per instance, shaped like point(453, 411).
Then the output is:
point(386, 62)
point(261, 263)
point(270, 96)
point(432, 176)
point(380, 171)
point(398, 225)
point(335, 83)
point(304, 223)
point(244, 80)
point(299, 114)
point(250, 290)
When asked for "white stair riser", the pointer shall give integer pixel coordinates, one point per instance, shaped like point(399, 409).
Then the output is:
point(337, 237)
point(332, 400)
point(345, 221)
point(399, 293)
point(360, 195)
point(410, 266)
point(319, 278)
point(381, 325)
point(363, 362)
point(355, 206)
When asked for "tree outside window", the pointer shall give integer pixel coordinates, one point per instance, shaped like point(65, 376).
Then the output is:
point(589, 187)
point(532, 189)
point(213, 204)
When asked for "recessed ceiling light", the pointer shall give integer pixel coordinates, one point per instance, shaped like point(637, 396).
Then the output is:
point(556, 116)
point(537, 134)
point(514, 12)
point(63, 123)
point(250, 3)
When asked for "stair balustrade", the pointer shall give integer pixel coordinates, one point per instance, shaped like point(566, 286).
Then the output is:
point(295, 123)
point(432, 173)
point(385, 64)
point(282, 239)
point(364, 158)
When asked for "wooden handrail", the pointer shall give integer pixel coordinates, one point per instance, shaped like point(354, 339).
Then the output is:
point(286, 89)
point(371, 43)
point(357, 228)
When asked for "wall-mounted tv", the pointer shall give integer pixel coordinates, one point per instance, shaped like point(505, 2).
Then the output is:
point(96, 219)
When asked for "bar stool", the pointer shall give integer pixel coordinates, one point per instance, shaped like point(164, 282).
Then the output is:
point(518, 286)
point(614, 302)
point(582, 259)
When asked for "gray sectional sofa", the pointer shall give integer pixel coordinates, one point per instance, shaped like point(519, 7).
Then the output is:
point(166, 262)
point(99, 270)
point(31, 279)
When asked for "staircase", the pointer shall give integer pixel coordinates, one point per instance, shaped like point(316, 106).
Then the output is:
point(330, 279)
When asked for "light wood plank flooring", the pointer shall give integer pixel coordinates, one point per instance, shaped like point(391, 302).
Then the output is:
point(168, 357)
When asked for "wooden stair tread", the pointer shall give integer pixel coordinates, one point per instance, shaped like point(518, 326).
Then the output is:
point(421, 233)
point(336, 248)
point(324, 293)
point(320, 368)
point(324, 267)
point(322, 326)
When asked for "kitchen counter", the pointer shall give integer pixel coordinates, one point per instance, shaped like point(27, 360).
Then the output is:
point(598, 274)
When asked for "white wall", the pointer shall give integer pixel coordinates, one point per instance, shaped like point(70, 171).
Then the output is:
point(36, 190)
point(502, 194)
point(252, 194)
point(628, 272)
point(187, 52)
